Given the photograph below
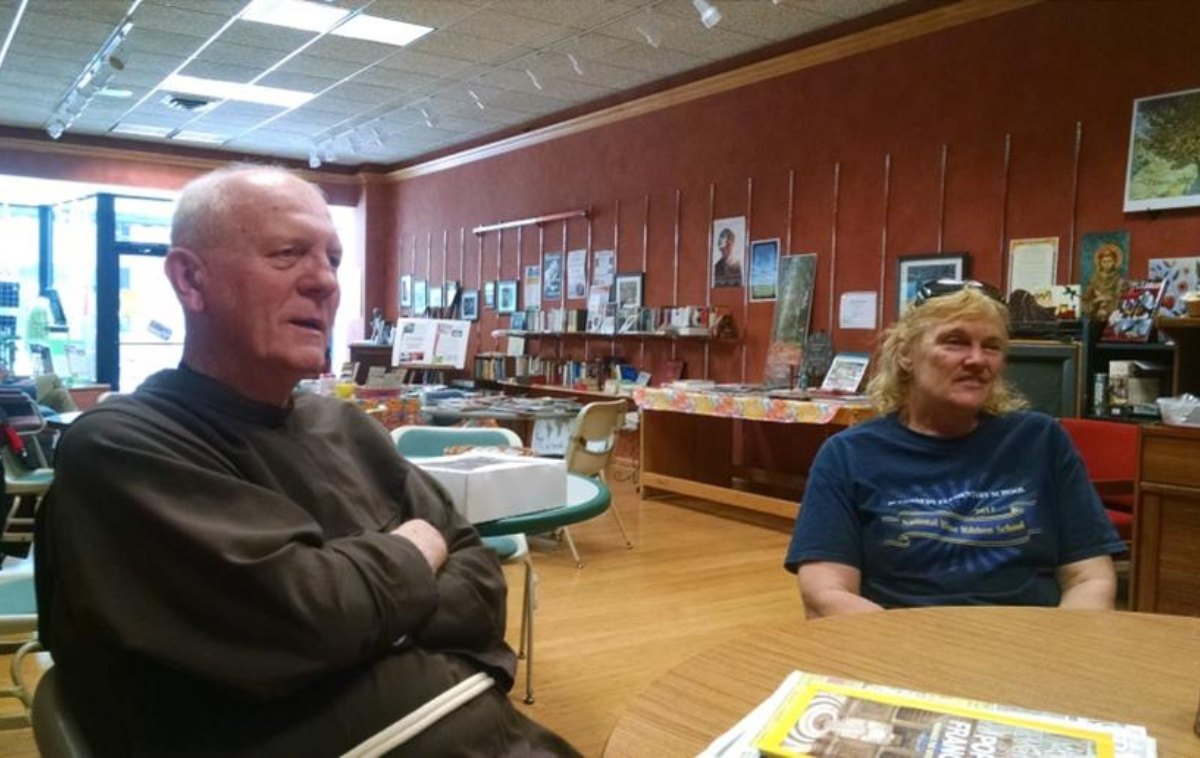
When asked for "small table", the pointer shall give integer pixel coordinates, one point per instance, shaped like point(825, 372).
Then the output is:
point(586, 498)
point(1131, 668)
point(62, 420)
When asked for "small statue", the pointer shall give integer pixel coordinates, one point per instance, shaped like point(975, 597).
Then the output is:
point(377, 326)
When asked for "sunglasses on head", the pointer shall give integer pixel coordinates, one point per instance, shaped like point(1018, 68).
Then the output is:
point(940, 287)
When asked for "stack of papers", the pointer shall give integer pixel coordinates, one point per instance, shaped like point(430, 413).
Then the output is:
point(814, 715)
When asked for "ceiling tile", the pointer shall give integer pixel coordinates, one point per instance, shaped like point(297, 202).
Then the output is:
point(190, 23)
point(453, 44)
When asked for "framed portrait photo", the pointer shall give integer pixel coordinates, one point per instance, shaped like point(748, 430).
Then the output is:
point(728, 251)
point(1162, 171)
point(406, 282)
point(629, 290)
point(552, 271)
point(914, 270)
point(506, 296)
point(470, 304)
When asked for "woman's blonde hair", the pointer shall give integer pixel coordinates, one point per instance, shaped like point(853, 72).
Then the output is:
point(890, 383)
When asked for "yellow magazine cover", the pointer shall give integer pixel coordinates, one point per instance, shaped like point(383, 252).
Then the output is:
point(823, 718)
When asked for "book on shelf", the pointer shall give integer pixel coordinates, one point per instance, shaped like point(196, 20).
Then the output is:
point(815, 715)
point(1133, 318)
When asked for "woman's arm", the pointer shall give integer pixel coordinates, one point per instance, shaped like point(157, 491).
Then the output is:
point(829, 588)
point(1088, 584)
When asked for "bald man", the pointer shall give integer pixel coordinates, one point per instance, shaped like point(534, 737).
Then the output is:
point(227, 569)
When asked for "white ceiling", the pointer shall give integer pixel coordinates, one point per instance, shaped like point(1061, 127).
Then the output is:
point(371, 94)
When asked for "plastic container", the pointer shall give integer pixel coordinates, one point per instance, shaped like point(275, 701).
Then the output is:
point(1180, 411)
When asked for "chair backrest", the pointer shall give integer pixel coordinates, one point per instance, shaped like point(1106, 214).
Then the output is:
point(22, 414)
point(428, 441)
point(55, 727)
point(593, 436)
point(1108, 448)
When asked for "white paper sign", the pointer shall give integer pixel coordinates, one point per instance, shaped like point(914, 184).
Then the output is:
point(606, 268)
point(857, 310)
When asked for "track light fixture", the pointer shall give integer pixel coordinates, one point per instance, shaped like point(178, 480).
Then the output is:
point(428, 119)
point(478, 103)
point(709, 15)
point(647, 27)
point(533, 78)
point(575, 64)
point(314, 160)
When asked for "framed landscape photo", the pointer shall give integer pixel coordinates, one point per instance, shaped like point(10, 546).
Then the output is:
point(470, 304)
point(764, 269)
point(1164, 160)
point(506, 296)
point(914, 270)
point(629, 290)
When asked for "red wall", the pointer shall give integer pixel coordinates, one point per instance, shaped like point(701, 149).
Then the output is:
point(882, 118)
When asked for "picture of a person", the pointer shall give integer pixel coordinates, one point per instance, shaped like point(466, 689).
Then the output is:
point(1104, 288)
point(727, 271)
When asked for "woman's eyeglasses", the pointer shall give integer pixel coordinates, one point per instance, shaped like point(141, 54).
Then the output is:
point(940, 287)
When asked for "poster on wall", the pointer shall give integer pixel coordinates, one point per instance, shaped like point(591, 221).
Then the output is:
point(605, 268)
point(1103, 263)
point(552, 276)
point(1032, 265)
point(728, 250)
point(577, 274)
point(1179, 277)
point(1164, 155)
point(764, 269)
point(533, 287)
point(793, 312)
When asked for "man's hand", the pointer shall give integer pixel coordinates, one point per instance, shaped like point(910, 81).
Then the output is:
point(427, 539)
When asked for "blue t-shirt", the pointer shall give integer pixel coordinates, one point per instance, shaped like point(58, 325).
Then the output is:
point(983, 519)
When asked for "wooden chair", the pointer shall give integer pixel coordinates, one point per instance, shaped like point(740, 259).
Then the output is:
point(591, 441)
point(430, 441)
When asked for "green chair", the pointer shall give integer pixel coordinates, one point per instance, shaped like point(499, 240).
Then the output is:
point(432, 441)
point(18, 616)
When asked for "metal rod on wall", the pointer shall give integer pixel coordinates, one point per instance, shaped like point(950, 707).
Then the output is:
point(675, 268)
point(746, 270)
point(1074, 203)
point(1004, 207)
point(612, 343)
point(445, 250)
point(791, 210)
point(712, 210)
point(645, 274)
point(941, 209)
point(833, 239)
point(587, 343)
point(883, 234)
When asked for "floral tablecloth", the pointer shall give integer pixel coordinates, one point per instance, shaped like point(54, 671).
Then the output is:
point(754, 407)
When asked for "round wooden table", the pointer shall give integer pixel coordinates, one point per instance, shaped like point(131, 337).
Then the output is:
point(1132, 668)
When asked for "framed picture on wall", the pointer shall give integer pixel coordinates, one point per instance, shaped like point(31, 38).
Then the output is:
point(914, 270)
point(764, 269)
point(629, 290)
point(489, 294)
point(406, 291)
point(470, 305)
point(435, 297)
point(552, 276)
point(506, 296)
point(728, 250)
point(450, 292)
point(420, 297)
point(1162, 153)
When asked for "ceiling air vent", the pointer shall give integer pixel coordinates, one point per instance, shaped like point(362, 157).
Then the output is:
point(189, 103)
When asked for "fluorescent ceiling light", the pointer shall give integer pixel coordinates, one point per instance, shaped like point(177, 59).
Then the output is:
point(296, 14)
point(248, 93)
point(207, 138)
point(138, 130)
point(387, 31)
point(317, 17)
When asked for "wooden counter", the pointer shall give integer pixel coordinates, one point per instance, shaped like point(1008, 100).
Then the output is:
point(1166, 527)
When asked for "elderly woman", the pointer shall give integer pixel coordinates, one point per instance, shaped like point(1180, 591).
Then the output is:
point(953, 495)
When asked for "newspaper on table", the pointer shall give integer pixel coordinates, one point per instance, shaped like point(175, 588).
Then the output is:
point(814, 715)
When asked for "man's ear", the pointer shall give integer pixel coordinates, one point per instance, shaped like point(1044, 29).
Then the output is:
point(187, 274)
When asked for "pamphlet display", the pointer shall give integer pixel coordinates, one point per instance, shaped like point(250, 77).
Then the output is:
point(431, 342)
point(846, 373)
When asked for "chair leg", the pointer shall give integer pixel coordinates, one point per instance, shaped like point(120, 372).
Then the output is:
point(566, 531)
point(527, 627)
point(617, 515)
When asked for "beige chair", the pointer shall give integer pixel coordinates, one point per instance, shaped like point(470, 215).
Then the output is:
point(591, 441)
point(18, 625)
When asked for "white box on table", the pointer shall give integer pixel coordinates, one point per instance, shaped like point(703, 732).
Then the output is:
point(486, 486)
